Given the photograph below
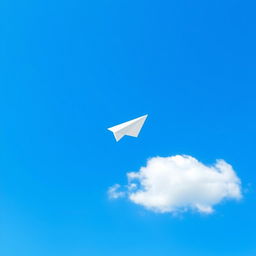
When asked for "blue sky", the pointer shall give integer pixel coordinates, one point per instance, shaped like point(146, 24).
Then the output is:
point(70, 69)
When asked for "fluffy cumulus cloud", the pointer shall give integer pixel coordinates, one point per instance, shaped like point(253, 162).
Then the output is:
point(180, 183)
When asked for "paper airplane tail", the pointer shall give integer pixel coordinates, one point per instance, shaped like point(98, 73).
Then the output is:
point(117, 135)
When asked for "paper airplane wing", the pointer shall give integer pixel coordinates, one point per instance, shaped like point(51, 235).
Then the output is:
point(130, 128)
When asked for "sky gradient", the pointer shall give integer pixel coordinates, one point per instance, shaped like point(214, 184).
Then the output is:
point(70, 70)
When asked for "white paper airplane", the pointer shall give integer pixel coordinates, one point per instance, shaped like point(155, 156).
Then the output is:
point(130, 128)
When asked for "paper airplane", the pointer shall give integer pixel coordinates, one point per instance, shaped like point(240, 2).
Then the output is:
point(130, 128)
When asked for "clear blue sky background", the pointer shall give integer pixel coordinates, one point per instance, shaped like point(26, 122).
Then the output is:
point(70, 69)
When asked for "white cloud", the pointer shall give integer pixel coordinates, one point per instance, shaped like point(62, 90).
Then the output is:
point(180, 183)
point(113, 192)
